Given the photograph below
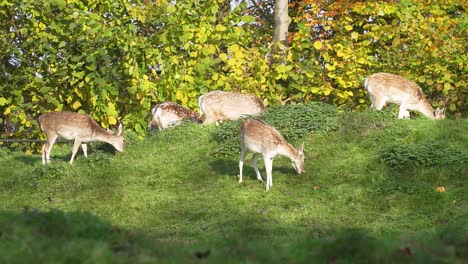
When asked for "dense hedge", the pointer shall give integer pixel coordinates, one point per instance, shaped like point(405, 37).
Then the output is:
point(114, 60)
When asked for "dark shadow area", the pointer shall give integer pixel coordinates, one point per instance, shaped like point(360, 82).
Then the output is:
point(227, 166)
point(29, 159)
point(230, 166)
point(241, 236)
point(94, 148)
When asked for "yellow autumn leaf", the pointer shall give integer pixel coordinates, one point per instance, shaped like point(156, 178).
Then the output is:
point(315, 90)
point(76, 105)
point(349, 27)
point(211, 49)
point(78, 92)
point(354, 35)
point(318, 45)
point(112, 120)
point(239, 54)
point(220, 27)
point(111, 106)
point(234, 47)
point(189, 78)
point(7, 111)
point(343, 54)
point(223, 56)
point(330, 67)
point(41, 25)
point(179, 95)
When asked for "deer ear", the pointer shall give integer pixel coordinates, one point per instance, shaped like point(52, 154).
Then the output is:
point(119, 130)
point(439, 111)
point(301, 148)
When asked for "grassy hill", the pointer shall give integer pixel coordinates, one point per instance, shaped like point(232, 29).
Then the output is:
point(376, 189)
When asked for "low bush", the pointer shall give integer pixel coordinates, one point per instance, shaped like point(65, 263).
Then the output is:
point(293, 122)
point(398, 156)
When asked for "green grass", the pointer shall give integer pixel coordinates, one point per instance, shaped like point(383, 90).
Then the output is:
point(172, 198)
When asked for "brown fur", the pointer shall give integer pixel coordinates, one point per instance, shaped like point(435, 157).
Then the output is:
point(181, 111)
point(260, 138)
point(54, 121)
point(217, 106)
point(386, 88)
point(168, 114)
point(78, 127)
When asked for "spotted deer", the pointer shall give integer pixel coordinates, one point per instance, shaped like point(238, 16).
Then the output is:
point(391, 88)
point(217, 106)
point(78, 127)
point(169, 114)
point(260, 138)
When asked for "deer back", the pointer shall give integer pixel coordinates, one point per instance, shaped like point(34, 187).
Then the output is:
point(169, 114)
point(395, 89)
point(221, 105)
point(259, 137)
point(70, 125)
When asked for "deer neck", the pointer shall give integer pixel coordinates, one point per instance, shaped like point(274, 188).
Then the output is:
point(287, 150)
point(426, 109)
point(100, 134)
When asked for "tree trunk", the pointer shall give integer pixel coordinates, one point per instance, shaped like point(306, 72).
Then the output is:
point(282, 20)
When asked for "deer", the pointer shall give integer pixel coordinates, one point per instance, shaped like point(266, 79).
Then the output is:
point(169, 114)
point(78, 127)
point(260, 138)
point(217, 106)
point(391, 88)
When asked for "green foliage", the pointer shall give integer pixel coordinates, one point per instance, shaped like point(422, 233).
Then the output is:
point(114, 60)
point(168, 199)
point(365, 121)
point(423, 154)
point(227, 138)
point(350, 40)
point(297, 120)
point(294, 121)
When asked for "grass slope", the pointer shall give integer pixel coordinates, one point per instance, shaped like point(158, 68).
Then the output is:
point(368, 195)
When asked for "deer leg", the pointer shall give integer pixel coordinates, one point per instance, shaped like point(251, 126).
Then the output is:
point(84, 147)
point(44, 153)
point(241, 162)
point(47, 148)
point(209, 120)
point(407, 115)
point(269, 168)
point(403, 113)
point(372, 98)
point(254, 163)
point(76, 146)
point(379, 104)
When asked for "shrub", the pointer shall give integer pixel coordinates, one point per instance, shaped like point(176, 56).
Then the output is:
point(363, 122)
point(293, 122)
point(398, 156)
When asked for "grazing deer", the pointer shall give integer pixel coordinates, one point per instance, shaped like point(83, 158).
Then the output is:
point(386, 87)
point(79, 127)
point(258, 137)
point(170, 114)
point(217, 106)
